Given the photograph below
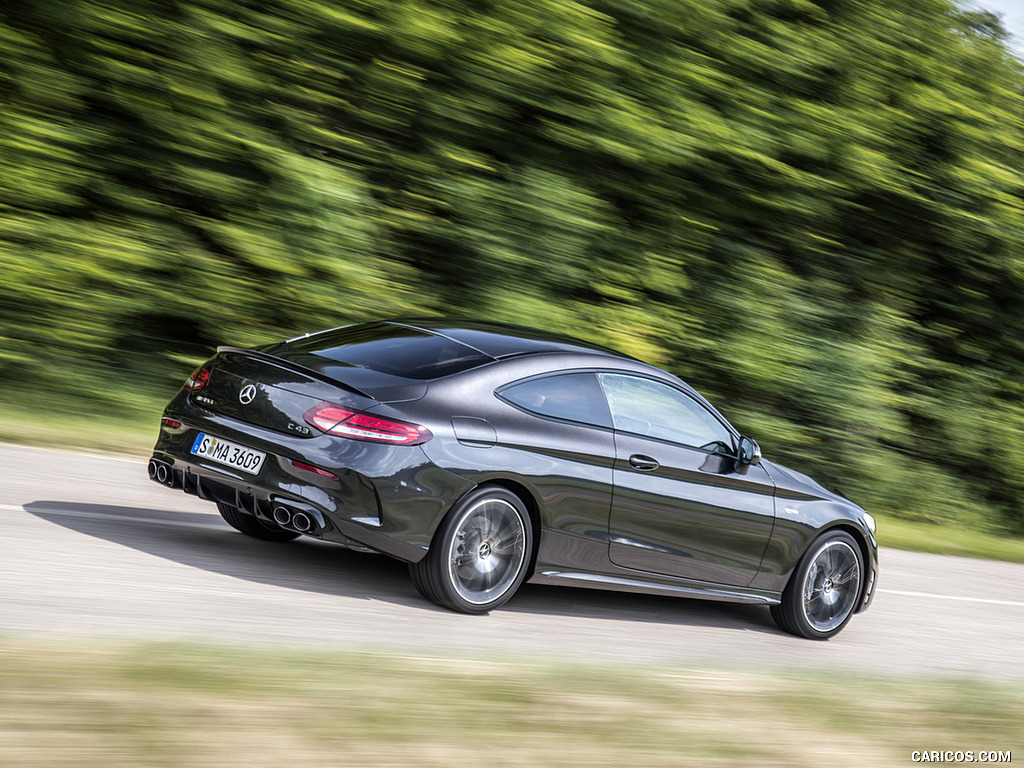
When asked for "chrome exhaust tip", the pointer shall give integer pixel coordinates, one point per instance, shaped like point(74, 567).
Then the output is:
point(151, 469)
point(301, 522)
point(162, 473)
point(282, 516)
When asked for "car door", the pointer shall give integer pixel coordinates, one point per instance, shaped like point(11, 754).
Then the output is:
point(565, 447)
point(682, 505)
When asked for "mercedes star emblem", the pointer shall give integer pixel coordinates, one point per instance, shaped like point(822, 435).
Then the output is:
point(248, 394)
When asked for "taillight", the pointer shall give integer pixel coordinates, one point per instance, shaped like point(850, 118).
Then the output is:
point(200, 378)
point(335, 420)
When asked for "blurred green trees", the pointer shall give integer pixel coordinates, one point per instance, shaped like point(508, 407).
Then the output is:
point(812, 210)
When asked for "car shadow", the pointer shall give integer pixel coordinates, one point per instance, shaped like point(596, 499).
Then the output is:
point(205, 541)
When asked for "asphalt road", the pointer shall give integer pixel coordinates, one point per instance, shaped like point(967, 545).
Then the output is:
point(90, 547)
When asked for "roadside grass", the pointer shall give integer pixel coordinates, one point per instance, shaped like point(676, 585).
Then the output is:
point(948, 540)
point(44, 420)
point(114, 705)
point(132, 430)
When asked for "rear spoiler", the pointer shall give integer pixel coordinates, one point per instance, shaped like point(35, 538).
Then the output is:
point(288, 365)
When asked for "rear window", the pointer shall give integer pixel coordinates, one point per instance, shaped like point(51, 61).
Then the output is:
point(391, 349)
point(570, 396)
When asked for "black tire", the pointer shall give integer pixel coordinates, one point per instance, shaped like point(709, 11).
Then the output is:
point(825, 588)
point(253, 526)
point(480, 553)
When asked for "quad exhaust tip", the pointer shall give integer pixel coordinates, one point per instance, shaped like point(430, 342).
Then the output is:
point(162, 473)
point(296, 520)
point(282, 515)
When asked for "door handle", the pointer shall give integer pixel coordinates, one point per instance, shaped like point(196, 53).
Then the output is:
point(643, 463)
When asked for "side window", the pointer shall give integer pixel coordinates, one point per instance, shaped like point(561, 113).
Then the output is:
point(647, 407)
point(570, 396)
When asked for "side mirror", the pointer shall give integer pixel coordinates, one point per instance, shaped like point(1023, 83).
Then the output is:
point(750, 451)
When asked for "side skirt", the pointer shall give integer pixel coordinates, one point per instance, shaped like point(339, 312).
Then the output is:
point(646, 586)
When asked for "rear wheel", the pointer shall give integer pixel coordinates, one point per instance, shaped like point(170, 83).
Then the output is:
point(479, 555)
point(823, 591)
point(253, 526)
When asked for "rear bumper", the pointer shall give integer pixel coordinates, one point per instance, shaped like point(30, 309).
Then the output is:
point(261, 502)
point(387, 498)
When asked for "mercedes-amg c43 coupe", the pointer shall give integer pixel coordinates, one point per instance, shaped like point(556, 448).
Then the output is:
point(485, 455)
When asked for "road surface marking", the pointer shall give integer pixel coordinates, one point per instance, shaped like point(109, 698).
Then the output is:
point(105, 516)
point(951, 597)
point(130, 459)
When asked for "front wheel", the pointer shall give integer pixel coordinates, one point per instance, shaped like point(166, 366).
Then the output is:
point(823, 591)
point(479, 555)
point(251, 526)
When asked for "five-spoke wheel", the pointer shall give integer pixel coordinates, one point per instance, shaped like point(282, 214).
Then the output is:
point(823, 592)
point(480, 553)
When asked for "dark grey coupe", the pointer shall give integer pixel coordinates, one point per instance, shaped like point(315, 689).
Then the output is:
point(485, 456)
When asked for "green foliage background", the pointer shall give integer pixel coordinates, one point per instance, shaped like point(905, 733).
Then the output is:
point(811, 210)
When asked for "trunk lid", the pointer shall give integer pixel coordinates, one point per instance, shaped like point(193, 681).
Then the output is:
point(271, 392)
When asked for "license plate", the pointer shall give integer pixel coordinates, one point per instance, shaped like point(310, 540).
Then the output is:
point(225, 452)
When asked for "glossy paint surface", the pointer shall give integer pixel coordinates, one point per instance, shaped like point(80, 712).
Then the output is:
point(609, 507)
point(693, 516)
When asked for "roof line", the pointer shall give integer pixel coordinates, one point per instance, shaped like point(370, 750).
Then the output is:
point(441, 335)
